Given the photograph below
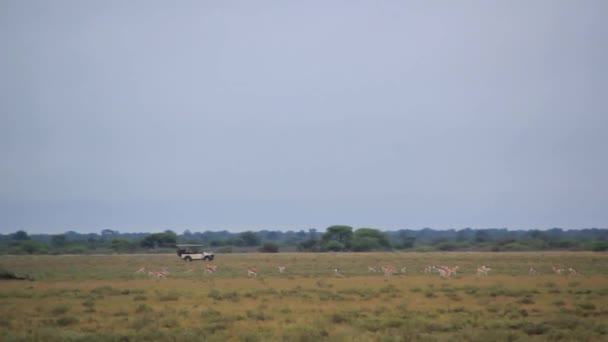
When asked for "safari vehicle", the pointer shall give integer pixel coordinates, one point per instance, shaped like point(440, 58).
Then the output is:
point(193, 252)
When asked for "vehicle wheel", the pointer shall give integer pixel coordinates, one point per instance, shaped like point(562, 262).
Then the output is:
point(206, 258)
point(188, 258)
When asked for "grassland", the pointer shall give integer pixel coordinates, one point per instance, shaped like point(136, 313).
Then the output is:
point(101, 298)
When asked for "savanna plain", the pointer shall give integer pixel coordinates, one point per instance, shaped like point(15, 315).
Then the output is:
point(105, 298)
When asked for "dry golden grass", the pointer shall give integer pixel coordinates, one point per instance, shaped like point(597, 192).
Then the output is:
point(102, 298)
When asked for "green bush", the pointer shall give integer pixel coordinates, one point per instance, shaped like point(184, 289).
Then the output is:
point(67, 320)
point(269, 247)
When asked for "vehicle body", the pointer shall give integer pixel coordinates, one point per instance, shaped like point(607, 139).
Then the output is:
point(193, 252)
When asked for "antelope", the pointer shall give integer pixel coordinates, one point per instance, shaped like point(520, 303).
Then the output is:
point(252, 272)
point(372, 269)
point(483, 270)
point(449, 271)
point(533, 271)
point(572, 271)
point(429, 269)
point(157, 274)
point(388, 270)
point(141, 270)
point(443, 273)
point(281, 269)
point(210, 268)
point(337, 273)
point(558, 270)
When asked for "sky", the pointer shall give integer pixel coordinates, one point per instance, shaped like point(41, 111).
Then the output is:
point(236, 115)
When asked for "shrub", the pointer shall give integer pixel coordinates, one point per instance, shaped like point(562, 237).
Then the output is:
point(67, 320)
point(143, 308)
point(171, 296)
point(586, 306)
point(60, 310)
point(269, 247)
point(526, 300)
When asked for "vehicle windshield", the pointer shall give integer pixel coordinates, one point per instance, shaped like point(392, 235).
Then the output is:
point(188, 249)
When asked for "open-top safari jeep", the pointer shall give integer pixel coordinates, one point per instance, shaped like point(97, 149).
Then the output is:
point(193, 252)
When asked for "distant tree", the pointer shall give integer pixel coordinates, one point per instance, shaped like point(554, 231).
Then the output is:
point(447, 246)
point(599, 246)
point(465, 234)
point(310, 245)
point(408, 242)
point(341, 234)
point(235, 241)
point(269, 247)
point(365, 244)
point(217, 243)
point(250, 238)
point(20, 235)
point(58, 241)
point(92, 243)
point(120, 245)
point(108, 232)
point(33, 247)
point(482, 236)
point(381, 240)
point(334, 246)
point(166, 239)
point(312, 233)
point(273, 236)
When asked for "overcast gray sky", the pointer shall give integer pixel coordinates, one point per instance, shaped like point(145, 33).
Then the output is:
point(152, 115)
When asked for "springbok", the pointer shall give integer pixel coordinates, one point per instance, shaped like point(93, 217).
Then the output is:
point(389, 270)
point(210, 268)
point(483, 270)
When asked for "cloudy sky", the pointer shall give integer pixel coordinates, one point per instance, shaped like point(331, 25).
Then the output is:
point(152, 115)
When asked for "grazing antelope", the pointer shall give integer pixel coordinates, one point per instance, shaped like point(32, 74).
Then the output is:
point(443, 273)
point(533, 271)
point(483, 270)
point(572, 271)
point(337, 273)
point(372, 269)
point(158, 274)
point(429, 269)
point(389, 270)
point(558, 270)
point(252, 272)
point(403, 269)
point(449, 271)
point(210, 268)
point(281, 269)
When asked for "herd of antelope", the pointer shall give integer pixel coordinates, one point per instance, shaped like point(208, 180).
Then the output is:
point(387, 270)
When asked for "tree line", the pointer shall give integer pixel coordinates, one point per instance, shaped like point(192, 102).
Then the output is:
point(338, 238)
